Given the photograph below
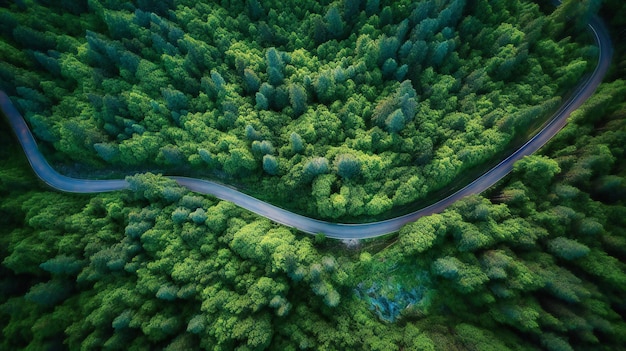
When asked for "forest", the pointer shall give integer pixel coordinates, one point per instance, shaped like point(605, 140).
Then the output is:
point(345, 110)
point(535, 262)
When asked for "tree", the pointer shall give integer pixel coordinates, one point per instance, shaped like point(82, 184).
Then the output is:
point(603, 266)
point(468, 278)
point(122, 320)
point(50, 62)
point(590, 227)
point(401, 72)
point(251, 81)
point(275, 76)
point(320, 33)
point(149, 186)
point(255, 10)
point(421, 235)
point(261, 101)
point(378, 204)
point(275, 66)
point(389, 68)
point(218, 80)
point(251, 133)
point(33, 39)
point(62, 264)
point(180, 215)
point(579, 10)
point(552, 342)
point(239, 162)
point(351, 8)
point(199, 216)
point(315, 166)
point(167, 292)
point(472, 336)
point(207, 157)
point(470, 238)
point(408, 191)
point(269, 92)
point(537, 171)
point(297, 145)
point(372, 7)
point(383, 110)
point(196, 324)
point(439, 53)
point(107, 151)
point(297, 97)
point(49, 293)
point(388, 48)
point(395, 121)
point(567, 249)
point(447, 267)
point(325, 87)
point(270, 164)
point(175, 99)
point(347, 165)
point(170, 155)
point(407, 98)
point(335, 25)
point(564, 285)
point(415, 339)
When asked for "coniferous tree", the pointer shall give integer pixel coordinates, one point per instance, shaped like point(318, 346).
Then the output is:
point(388, 48)
point(175, 99)
point(62, 264)
point(255, 10)
point(297, 145)
point(372, 7)
point(269, 92)
point(325, 87)
point(275, 66)
point(196, 324)
point(261, 101)
point(567, 249)
point(297, 97)
point(252, 81)
point(389, 68)
point(335, 24)
point(395, 121)
point(348, 166)
point(251, 133)
point(264, 147)
point(351, 8)
point(316, 166)
point(439, 53)
point(270, 164)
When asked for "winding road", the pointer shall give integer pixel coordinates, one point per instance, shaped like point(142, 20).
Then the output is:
point(333, 230)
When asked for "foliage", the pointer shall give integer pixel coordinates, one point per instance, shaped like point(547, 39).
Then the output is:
point(162, 267)
point(537, 262)
point(431, 89)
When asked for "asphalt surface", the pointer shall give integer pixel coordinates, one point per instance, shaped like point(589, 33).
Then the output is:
point(313, 226)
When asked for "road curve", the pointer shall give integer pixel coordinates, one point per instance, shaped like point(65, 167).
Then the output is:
point(313, 226)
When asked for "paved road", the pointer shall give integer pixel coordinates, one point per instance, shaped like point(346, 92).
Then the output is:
point(309, 225)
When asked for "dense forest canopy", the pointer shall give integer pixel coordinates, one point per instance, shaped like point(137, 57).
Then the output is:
point(536, 262)
point(337, 109)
